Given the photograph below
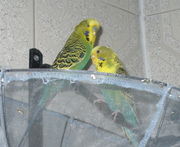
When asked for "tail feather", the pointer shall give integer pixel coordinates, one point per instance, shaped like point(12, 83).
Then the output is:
point(131, 136)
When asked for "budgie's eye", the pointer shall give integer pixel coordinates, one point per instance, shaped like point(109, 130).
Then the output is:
point(87, 26)
point(98, 51)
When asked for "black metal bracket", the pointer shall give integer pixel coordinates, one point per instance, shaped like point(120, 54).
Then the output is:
point(36, 59)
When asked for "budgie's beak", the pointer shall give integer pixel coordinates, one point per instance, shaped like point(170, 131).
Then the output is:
point(93, 59)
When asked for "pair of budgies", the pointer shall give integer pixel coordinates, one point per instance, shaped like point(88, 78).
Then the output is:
point(75, 55)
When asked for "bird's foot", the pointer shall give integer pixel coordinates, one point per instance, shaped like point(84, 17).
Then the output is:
point(115, 113)
point(99, 101)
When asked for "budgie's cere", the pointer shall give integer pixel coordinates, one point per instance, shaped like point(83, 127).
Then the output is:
point(76, 52)
point(106, 60)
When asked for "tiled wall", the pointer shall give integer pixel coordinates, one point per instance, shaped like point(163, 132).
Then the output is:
point(163, 39)
point(46, 25)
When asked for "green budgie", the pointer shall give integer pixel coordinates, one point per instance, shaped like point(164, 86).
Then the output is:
point(105, 60)
point(74, 55)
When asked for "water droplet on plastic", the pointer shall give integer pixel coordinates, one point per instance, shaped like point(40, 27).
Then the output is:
point(20, 111)
point(45, 80)
point(72, 80)
point(93, 76)
point(145, 80)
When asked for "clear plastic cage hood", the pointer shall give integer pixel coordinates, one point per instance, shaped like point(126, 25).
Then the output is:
point(68, 108)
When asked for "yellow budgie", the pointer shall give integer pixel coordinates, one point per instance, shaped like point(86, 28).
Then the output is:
point(105, 60)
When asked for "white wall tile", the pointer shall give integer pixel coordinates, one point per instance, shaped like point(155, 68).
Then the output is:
point(174, 4)
point(16, 35)
point(153, 30)
point(164, 65)
point(170, 26)
point(160, 6)
point(151, 6)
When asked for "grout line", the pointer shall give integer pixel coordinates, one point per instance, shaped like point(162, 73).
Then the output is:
point(143, 39)
point(34, 25)
point(120, 8)
point(161, 12)
point(170, 50)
